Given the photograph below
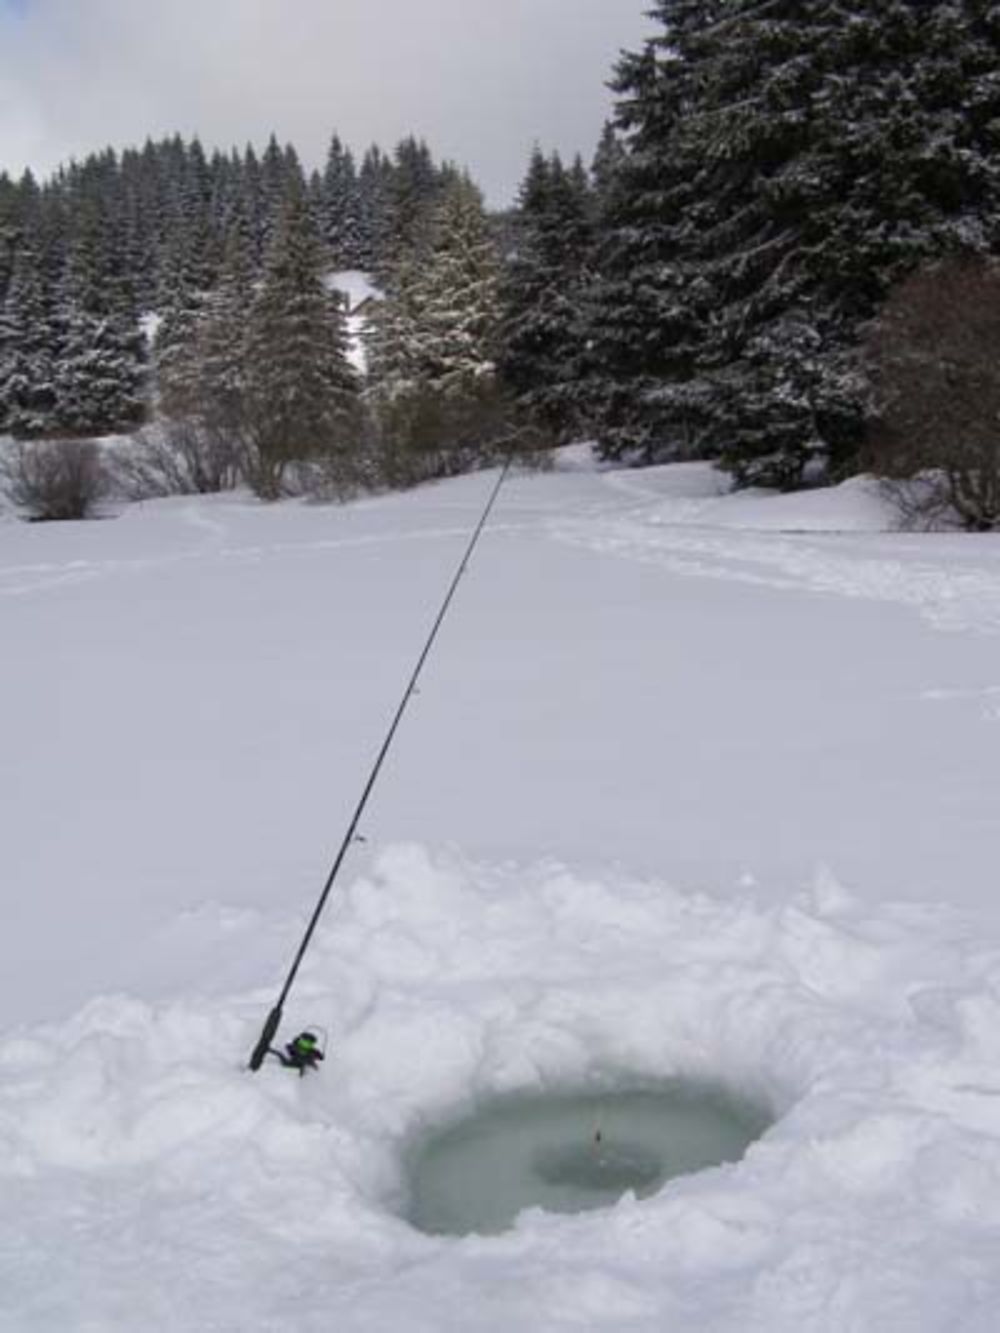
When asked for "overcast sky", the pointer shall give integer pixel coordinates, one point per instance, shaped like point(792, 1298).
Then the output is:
point(481, 80)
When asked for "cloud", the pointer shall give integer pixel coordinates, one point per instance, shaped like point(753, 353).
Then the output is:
point(480, 80)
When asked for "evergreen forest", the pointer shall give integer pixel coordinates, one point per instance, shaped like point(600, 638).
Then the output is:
point(709, 285)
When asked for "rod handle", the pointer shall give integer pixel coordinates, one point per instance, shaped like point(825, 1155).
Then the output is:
point(266, 1037)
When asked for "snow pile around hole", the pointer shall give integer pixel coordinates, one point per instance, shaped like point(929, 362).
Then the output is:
point(149, 1181)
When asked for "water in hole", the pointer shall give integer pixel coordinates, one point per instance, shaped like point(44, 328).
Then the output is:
point(569, 1152)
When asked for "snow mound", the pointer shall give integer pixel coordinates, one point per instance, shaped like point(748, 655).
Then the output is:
point(682, 518)
point(856, 505)
point(150, 1181)
point(698, 493)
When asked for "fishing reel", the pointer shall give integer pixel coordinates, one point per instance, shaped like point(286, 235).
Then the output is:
point(306, 1051)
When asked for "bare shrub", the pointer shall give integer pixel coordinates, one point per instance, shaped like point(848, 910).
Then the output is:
point(933, 358)
point(54, 479)
point(343, 473)
point(182, 456)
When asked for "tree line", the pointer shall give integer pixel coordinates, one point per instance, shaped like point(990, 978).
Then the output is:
point(86, 255)
point(248, 373)
point(730, 278)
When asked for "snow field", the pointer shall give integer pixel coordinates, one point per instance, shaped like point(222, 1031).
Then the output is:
point(692, 787)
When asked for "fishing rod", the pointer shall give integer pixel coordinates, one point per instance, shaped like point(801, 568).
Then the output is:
point(273, 1021)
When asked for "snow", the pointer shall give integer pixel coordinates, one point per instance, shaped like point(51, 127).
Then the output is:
point(695, 784)
point(149, 323)
point(355, 285)
point(358, 288)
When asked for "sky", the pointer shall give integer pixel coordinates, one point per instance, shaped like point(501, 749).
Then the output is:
point(481, 80)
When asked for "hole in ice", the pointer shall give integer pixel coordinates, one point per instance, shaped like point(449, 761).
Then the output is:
point(567, 1152)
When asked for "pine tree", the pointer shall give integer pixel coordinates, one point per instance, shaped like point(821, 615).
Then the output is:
point(604, 168)
point(280, 176)
point(415, 187)
point(28, 347)
point(99, 377)
point(221, 339)
point(301, 391)
point(341, 220)
point(9, 231)
point(181, 304)
point(544, 293)
point(391, 333)
point(99, 373)
point(642, 396)
point(252, 200)
point(374, 185)
point(273, 186)
point(136, 231)
point(460, 289)
point(784, 165)
point(433, 346)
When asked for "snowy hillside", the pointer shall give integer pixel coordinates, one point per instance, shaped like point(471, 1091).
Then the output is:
point(694, 784)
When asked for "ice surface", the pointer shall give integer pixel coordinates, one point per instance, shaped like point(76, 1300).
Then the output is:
point(687, 791)
point(571, 1151)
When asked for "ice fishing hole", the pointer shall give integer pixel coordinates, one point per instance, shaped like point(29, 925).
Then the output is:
point(568, 1152)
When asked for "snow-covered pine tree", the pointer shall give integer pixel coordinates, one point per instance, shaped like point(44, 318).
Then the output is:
point(460, 309)
point(883, 132)
point(136, 231)
point(414, 189)
point(252, 199)
point(228, 197)
point(433, 347)
point(543, 295)
point(99, 372)
point(374, 184)
point(341, 206)
point(221, 337)
point(391, 332)
point(391, 388)
point(187, 274)
point(316, 198)
point(281, 176)
point(28, 349)
point(10, 231)
point(181, 307)
point(194, 218)
point(272, 190)
point(607, 159)
point(785, 164)
point(642, 334)
point(761, 368)
point(100, 376)
point(301, 398)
